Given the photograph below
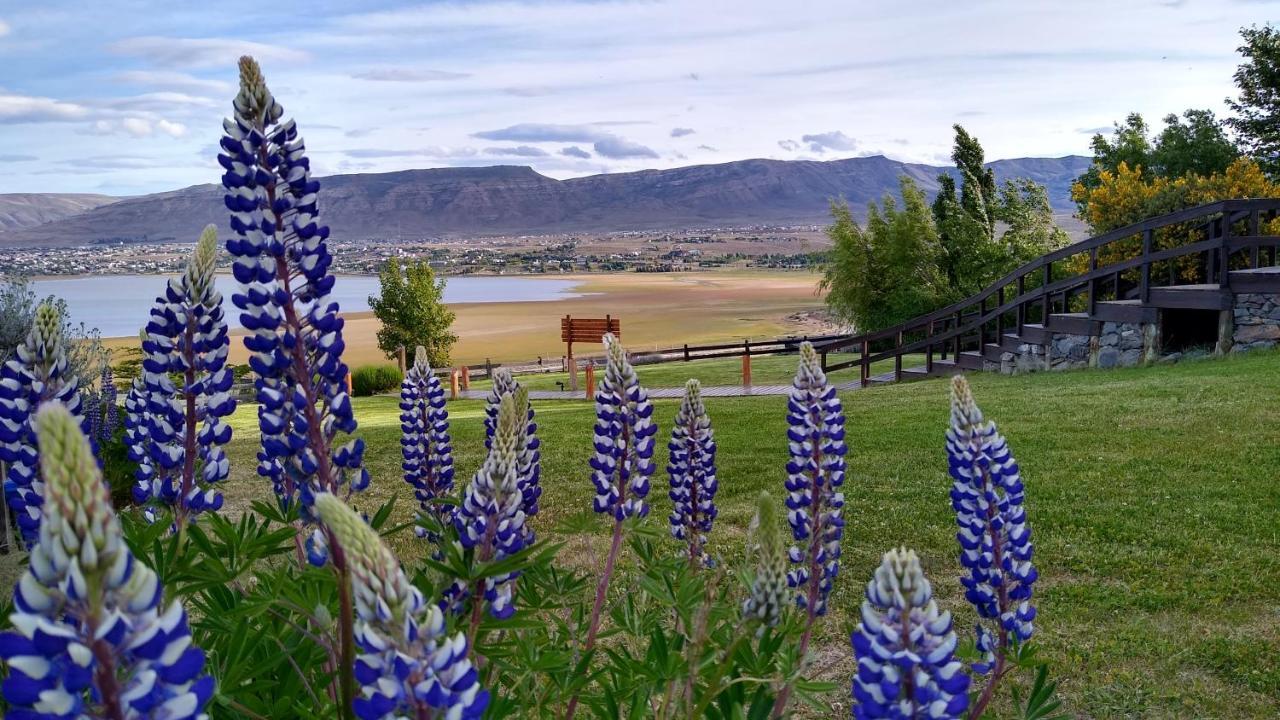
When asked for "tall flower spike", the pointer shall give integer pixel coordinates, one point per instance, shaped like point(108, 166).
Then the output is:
point(186, 339)
point(107, 403)
point(905, 648)
point(424, 440)
point(815, 473)
point(35, 375)
point(491, 519)
point(137, 438)
point(624, 438)
point(408, 667)
point(769, 586)
point(529, 462)
point(692, 471)
point(995, 542)
point(282, 263)
point(91, 638)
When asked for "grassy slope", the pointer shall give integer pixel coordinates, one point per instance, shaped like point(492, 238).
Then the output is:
point(1152, 494)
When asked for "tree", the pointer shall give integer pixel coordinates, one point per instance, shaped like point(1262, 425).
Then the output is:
point(1257, 108)
point(1199, 146)
point(987, 230)
point(887, 272)
point(412, 311)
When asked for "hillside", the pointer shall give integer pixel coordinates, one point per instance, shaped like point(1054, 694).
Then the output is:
point(24, 210)
point(415, 204)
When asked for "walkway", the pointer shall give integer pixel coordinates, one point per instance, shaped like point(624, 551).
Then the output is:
point(678, 392)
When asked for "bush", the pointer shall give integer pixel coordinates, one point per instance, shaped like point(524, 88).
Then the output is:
point(375, 379)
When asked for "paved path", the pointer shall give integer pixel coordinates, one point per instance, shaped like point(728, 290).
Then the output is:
point(707, 391)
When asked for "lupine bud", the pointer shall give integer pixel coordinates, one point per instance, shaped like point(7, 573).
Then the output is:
point(624, 438)
point(91, 638)
point(529, 462)
point(769, 590)
point(815, 473)
point(491, 519)
point(408, 666)
point(905, 648)
point(424, 440)
point(692, 471)
point(187, 339)
point(281, 261)
point(995, 542)
point(35, 375)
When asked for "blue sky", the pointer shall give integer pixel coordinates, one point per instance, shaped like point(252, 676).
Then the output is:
point(126, 97)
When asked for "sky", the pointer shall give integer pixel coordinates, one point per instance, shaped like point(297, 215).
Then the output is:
point(126, 97)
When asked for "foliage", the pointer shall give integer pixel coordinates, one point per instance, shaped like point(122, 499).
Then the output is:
point(375, 379)
point(18, 302)
point(412, 312)
point(886, 272)
point(1257, 108)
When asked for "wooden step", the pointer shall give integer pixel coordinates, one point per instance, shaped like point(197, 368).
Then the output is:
point(942, 368)
point(993, 352)
point(1032, 333)
point(1072, 324)
point(1265, 279)
point(1125, 311)
point(971, 360)
point(1194, 297)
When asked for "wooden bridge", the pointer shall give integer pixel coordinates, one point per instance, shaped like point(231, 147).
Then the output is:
point(1196, 259)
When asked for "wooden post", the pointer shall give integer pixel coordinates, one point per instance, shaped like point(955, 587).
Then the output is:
point(466, 378)
point(488, 368)
point(686, 352)
point(453, 383)
point(1093, 282)
point(400, 358)
point(572, 364)
point(350, 391)
point(1144, 282)
point(591, 380)
point(746, 365)
point(866, 366)
point(1022, 306)
point(955, 341)
point(1253, 232)
point(928, 350)
point(1224, 254)
point(897, 360)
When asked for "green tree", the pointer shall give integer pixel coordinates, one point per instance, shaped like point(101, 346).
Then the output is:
point(988, 229)
point(1257, 108)
point(1130, 144)
point(1200, 146)
point(886, 272)
point(412, 311)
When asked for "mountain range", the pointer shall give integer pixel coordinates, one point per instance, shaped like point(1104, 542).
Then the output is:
point(505, 199)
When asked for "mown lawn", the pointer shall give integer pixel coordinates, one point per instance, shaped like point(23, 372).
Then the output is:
point(1152, 494)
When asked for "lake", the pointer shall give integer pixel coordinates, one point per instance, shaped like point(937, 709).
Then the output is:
point(118, 305)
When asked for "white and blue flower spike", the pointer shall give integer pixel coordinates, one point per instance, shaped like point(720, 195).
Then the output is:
point(408, 667)
point(91, 637)
point(692, 473)
point(624, 438)
point(905, 648)
point(425, 444)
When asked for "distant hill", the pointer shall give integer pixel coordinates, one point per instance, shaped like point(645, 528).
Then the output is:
point(23, 210)
point(506, 199)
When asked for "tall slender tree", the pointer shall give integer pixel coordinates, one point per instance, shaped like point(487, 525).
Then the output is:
point(1257, 107)
point(412, 311)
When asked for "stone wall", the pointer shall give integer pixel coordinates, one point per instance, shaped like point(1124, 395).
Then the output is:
point(1256, 321)
point(1119, 345)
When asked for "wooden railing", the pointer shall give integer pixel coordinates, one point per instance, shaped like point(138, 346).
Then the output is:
point(1046, 286)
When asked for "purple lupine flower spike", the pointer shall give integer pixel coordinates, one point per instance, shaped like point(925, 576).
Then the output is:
point(424, 441)
point(282, 262)
point(995, 542)
point(624, 438)
point(815, 473)
point(529, 460)
point(491, 519)
point(692, 472)
point(187, 339)
point(108, 397)
point(91, 637)
point(35, 375)
point(905, 648)
point(408, 666)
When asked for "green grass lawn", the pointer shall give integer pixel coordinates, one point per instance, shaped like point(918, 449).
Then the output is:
point(765, 370)
point(1152, 494)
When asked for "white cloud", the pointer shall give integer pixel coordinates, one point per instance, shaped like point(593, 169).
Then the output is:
point(29, 109)
point(203, 52)
point(681, 132)
point(616, 147)
point(544, 132)
point(4, 28)
point(169, 80)
point(834, 140)
point(139, 127)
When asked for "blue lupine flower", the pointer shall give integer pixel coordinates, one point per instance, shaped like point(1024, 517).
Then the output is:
point(282, 263)
point(408, 667)
point(905, 648)
point(692, 470)
point(91, 637)
point(186, 338)
point(91, 406)
point(995, 542)
point(529, 460)
point(491, 519)
point(424, 440)
point(815, 473)
point(35, 375)
point(108, 397)
point(624, 438)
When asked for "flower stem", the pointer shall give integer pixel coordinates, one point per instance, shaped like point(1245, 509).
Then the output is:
point(602, 589)
point(346, 632)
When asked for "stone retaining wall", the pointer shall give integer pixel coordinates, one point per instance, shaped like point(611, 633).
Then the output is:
point(1256, 321)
